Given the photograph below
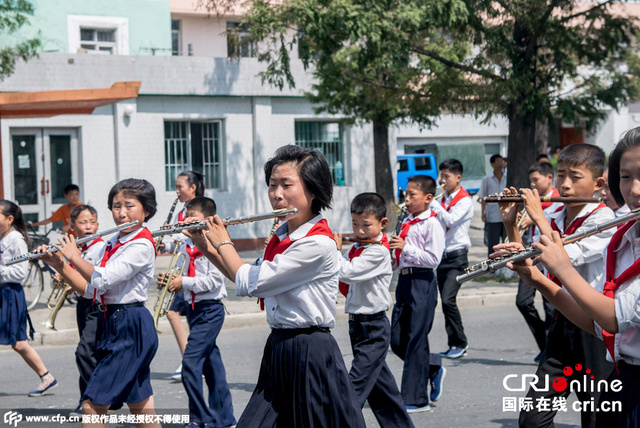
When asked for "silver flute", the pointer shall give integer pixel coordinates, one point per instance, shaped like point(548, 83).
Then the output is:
point(199, 225)
point(492, 265)
point(52, 249)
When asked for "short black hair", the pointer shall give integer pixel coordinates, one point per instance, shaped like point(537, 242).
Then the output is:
point(205, 205)
point(493, 158)
point(370, 204)
point(75, 212)
point(139, 189)
point(543, 168)
point(584, 155)
point(630, 140)
point(453, 165)
point(194, 178)
point(542, 156)
point(313, 169)
point(424, 183)
point(70, 188)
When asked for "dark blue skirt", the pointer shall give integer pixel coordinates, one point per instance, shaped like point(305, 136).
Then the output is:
point(13, 314)
point(179, 304)
point(303, 382)
point(629, 396)
point(126, 344)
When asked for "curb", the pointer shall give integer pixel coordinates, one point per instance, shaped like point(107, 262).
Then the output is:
point(69, 336)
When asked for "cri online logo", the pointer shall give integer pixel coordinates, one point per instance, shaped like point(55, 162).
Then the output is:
point(577, 383)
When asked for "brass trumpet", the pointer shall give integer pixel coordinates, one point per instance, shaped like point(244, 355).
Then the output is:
point(58, 295)
point(179, 260)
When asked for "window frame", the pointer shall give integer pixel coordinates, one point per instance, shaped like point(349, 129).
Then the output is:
point(239, 31)
point(119, 25)
point(343, 152)
point(215, 181)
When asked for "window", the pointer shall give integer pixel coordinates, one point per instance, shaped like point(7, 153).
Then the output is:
point(423, 164)
point(326, 137)
point(239, 44)
point(175, 37)
point(100, 41)
point(105, 35)
point(193, 146)
point(403, 165)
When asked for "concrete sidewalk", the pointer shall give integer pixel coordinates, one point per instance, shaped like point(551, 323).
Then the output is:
point(245, 312)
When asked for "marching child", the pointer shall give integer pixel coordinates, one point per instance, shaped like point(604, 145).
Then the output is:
point(204, 289)
point(84, 222)
point(126, 340)
point(541, 179)
point(579, 175)
point(418, 251)
point(609, 310)
point(366, 268)
point(189, 185)
point(13, 305)
point(63, 214)
point(609, 200)
point(303, 380)
point(455, 212)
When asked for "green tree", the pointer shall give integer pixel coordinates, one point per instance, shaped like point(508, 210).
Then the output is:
point(13, 15)
point(531, 61)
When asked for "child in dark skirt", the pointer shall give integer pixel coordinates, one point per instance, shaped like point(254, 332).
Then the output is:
point(126, 338)
point(13, 305)
point(303, 380)
point(204, 289)
point(366, 270)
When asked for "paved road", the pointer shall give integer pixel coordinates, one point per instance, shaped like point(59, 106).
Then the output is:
point(500, 345)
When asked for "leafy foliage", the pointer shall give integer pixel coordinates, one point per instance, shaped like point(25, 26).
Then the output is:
point(12, 17)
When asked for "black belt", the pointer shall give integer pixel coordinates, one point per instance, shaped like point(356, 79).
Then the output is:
point(208, 302)
point(367, 317)
point(302, 330)
point(629, 368)
point(116, 306)
point(456, 253)
point(414, 270)
point(7, 284)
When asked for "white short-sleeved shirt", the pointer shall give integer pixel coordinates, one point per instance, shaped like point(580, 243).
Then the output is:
point(424, 243)
point(369, 276)
point(627, 301)
point(13, 245)
point(207, 284)
point(489, 186)
point(300, 286)
point(128, 273)
point(457, 220)
point(587, 254)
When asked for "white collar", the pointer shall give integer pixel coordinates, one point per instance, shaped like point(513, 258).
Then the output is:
point(300, 232)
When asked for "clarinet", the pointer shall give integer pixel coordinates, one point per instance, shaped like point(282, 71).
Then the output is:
point(158, 240)
point(403, 214)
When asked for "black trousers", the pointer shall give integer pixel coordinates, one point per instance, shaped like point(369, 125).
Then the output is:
point(492, 234)
point(629, 396)
point(86, 316)
point(371, 377)
point(538, 326)
point(449, 287)
point(411, 322)
point(567, 346)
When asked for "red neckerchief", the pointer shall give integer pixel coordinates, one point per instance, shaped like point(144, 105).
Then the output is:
point(405, 230)
point(182, 215)
point(545, 205)
point(109, 251)
point(573, 226)
point(194, 253)
point(355, 252)
point(462, 193)
point(275, 246)
point(611, 284)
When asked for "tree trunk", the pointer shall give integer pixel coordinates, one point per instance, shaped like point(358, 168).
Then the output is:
point(522, 150)
point(384, 177)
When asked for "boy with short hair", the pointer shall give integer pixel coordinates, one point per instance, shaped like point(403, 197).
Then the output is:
point(541, 179)
point(418, 251)
point(455, 212)
point(63, 214)
point(83, 223)
point(580, 168)
point(492, 184)
point(366, 270)
point(204, 289)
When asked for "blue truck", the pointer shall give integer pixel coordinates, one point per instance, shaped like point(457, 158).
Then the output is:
point(424, 164)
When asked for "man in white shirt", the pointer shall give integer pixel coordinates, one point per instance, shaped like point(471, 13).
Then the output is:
point(492, 184)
